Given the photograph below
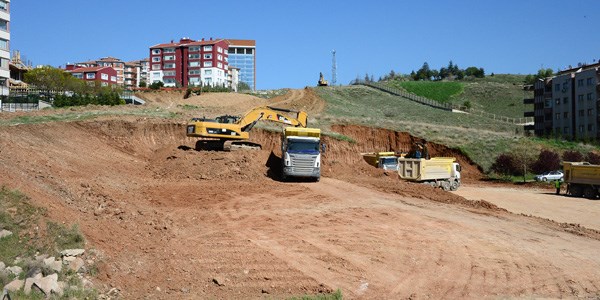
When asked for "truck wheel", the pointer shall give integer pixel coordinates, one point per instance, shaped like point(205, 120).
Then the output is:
point(454, 185)
point(446, 186)
point(576, 191)
point(589, 192)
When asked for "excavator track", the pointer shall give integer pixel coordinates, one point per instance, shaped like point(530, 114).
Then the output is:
point(240, 145)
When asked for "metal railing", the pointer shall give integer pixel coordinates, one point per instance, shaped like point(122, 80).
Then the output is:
point(440, 105)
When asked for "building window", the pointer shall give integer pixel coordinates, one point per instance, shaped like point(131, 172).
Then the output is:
point(231, 51)
point(156, 59)
point(557, 116)
point(3, 5)
point(78, 75)
point(4, 25)
point(3, 44)
point(589, 81)
point(557, 87)
point(155, 51)
point(169, 80)
point(169, 66)
point(239, 51)
point(208, 63)
point(194, 49)
point(207, 48)
point(207, 56)
point(580, 98)
point(194, 72)
point(169, 50)
point(589, 96)
point(194, 56)
point(113, 78)
point(590, 111)
point(566, 115)
point(194, 64)
point(590, 127)
point(219, 49)
point(579, 82)
point(548, 103)
point(207, 72)
point(194, 80)
point(581, 112)
point(581, 128)
point(565, 86)
point(557, 100)
point(565, 100)
point(169, 57)
point(169, 73)
point(220, 57)
point(220, 65)
point(104, 76)
point(90, 76)
point(156, 67)
point(249, 51)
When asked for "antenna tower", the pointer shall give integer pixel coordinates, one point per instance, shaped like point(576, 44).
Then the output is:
point(333, 70)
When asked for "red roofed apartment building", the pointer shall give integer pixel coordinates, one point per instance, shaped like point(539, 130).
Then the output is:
point(117, 64)
point(105, 75)
point(190, 63)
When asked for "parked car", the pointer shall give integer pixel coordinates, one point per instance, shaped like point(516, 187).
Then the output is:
point(549, 176)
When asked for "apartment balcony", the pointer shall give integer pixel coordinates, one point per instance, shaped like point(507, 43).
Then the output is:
point(529, 114)
point(528, 101)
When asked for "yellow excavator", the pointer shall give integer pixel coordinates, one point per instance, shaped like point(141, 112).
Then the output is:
point(232, 132)
point(322, 81)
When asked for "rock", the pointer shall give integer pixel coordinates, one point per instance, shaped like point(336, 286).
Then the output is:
point(48, 284)
point(2, 266)
point(68, 259)
point(72, 252)
point(16, 270)
point(53, 264)
point(41, 257)
point(4, 233)
point(76, 264)
point(185, 290)
point(218, 281)
point(15, 285)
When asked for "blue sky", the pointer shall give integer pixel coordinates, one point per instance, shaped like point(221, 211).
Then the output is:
point(294, 39)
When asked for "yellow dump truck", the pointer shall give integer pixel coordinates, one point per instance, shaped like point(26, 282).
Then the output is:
point(382, 160)
point(582, 178)
point(301, 153)
point(441, 172)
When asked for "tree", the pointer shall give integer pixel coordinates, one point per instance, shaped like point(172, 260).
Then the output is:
point(143, 84)
point(424, 73)
point(593, 158)
point(49, 78)
point(525, 153)
point(157, 85)
point(504, 164)
point(475, 72)
point(547, 161)
point(573, 156)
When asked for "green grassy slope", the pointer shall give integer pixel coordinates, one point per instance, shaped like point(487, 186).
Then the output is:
point(480, 138)
point(500, 94)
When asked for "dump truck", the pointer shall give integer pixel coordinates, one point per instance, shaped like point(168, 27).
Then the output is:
point(582, 179)
point(441, 172)
point(301, 153)
point(382, 160)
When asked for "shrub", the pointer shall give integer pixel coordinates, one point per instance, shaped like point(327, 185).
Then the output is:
point(156, 85)
point(593, 158)
point(547, 161)
point(506, 164)
point(572, 156)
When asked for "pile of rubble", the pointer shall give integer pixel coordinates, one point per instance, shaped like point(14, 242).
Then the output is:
point(70, 263)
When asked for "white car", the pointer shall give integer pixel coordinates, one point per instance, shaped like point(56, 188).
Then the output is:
point(549, 176)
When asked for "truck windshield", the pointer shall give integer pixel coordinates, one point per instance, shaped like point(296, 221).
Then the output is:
point(296, 146)
point(389, 161)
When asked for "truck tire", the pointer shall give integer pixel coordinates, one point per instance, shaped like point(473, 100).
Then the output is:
point(454, 185)
point(446, 185)
point(589, 192)
point(576, 190)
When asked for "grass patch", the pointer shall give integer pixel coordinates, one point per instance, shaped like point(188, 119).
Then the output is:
point(190, 107)
point(337, 295)
point(441, 91)
point(340, 137)
point(68, 116)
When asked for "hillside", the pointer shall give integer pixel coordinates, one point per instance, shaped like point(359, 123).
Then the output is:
point(501, 94)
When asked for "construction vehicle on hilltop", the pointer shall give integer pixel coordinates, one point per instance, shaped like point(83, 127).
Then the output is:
point(232, 132)
point(322, 81)
point(301, 153)
point(582, 178)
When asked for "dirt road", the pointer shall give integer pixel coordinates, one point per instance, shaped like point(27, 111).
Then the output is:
point(174, 223)
point(543, 203)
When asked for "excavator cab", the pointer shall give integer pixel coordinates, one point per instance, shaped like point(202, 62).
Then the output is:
point(227, 119)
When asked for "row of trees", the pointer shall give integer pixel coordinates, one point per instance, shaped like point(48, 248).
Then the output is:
point(425, 73)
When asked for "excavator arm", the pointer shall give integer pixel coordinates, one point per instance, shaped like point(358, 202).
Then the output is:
point(230, 128)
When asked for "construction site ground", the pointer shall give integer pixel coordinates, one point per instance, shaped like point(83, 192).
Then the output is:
point(175, 223)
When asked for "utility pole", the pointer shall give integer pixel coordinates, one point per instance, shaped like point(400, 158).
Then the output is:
point(333, 70)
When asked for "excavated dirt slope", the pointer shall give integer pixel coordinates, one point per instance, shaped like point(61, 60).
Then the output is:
point(175, 223)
